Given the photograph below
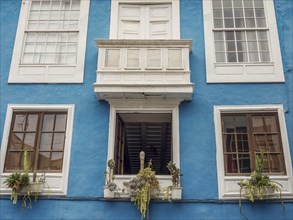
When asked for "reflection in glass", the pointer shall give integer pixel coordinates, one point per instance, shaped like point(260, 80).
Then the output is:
point(46, 141)
point(48, 123)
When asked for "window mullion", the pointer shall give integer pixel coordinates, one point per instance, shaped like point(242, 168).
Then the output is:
point(38, 142)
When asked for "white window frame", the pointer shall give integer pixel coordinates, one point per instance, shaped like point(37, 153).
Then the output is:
point(227, 185)
point(145, 106)
point(243, 72)
point(175, 15)
point(48, 73)
point(57, 183)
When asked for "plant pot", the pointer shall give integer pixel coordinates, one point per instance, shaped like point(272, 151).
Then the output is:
point(108, 193)
point(266, 192)
point(36, 187)
point(176, 193)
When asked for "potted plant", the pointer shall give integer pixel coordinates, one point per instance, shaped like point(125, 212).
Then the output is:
point(110, 187)
point(20, 184)
point(259, 185)
point(142, 188)
point(176, 189)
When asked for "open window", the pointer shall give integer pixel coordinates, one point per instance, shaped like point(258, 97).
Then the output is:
point(148, 132)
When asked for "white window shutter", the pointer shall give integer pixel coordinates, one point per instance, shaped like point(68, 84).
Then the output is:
point(159, 22)
point(130, 22)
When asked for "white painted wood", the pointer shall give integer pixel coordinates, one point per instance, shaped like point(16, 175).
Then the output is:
point(152, 78)
point(251, 72)
point(57, 182)
point(227, 185)
point(47, 73)
point(146, 19)
point(144, 106)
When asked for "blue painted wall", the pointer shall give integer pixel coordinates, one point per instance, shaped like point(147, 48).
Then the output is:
point(197, 138)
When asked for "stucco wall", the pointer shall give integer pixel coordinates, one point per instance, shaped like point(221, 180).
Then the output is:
point(197, 136)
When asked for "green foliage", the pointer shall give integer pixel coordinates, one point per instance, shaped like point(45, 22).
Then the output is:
point(141, 187)
point(175, 172)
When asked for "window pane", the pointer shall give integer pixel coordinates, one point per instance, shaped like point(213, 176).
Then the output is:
point(242, 57)
point(46, 141)
point(58, 142)
point(274, 143)
point(217, 4)
point(241, 124)
point(60, 122)
point(228, 124)
point(244, 163)
point(229, 23)
point(271, 123)
point(219, 35)
point(29, 141)
point(231, 163)
point(48, 122)
point(56, 161)
point(16, 140)
point(44, 161)
point(253, 57)
point(19, 123)
point(260, 143)
point(31, 122)
point(257, 124)
point(220, 57)
point(250, 22)
point(231, 57)
point(14, 161)
point(242, 143)
point(230, 46)
point(220, 46)
point(229, 143)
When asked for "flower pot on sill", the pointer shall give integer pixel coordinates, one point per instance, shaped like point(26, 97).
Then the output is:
point(34, 187)
point(265, 191)
point(108, 193)
point(176, 193)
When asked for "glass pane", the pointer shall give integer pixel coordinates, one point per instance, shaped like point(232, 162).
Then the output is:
point(263, 45)
point(261, 22)
point(260, 12)
point(242, 143)
point(220, 46)
point(229, 143)
point(258, 3)
point(257, 124)
point(220, 57)
point(230, 46)
point(274, 143)
point(249, 13)
point(16, 141)
point(14, 161)
point(260, 143)
point(251, 35)
point(60, 122)
point(231, 57)
point(241, 124)
point(229, 35)
point(48, 122)
point(19, 123)
point(273, 163)
point(56, 161)
point(46, 141)
point(228, 13)
point(231, 163)
point(264, 57)
point(250, 22)
point(218, 13)
point(242, 57)
point(240, 35)
point(253, 57)
point(31, 122)
point(218, 23)
point(228, 124)
point(29, 141)
point(237, 3)
point(244, 163)
point(241, 46)
point(229, 23)
point(239, 23)
point(252, 46)
point(271, 123)
point(248, 3)
point(217, 4)
point(219, 35)
point(44, 161)
point(238, 12)
point(58, 142)
point(227, 3)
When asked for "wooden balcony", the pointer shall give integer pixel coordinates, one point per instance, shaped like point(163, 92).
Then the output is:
point(143, 69)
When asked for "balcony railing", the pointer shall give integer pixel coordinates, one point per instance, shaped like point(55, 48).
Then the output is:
point(143, 69)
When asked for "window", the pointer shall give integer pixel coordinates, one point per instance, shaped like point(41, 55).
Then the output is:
point(52, 38)
point(242, 132)
point(241, 33)
point(148, 132)
point(45, 132)
point(148, 125)
point(133, 19)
